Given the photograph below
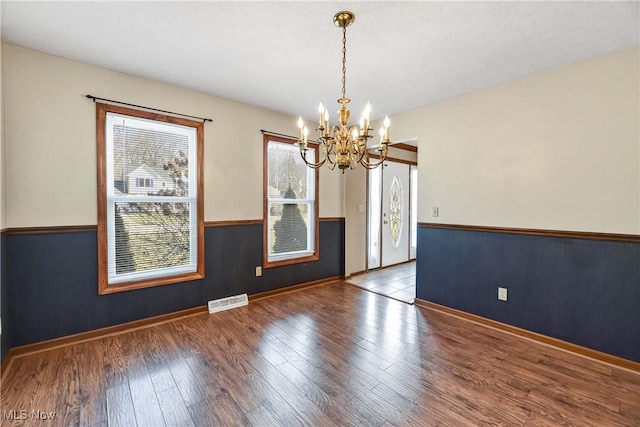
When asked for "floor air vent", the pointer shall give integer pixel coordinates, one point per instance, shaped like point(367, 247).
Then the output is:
point(228, 303)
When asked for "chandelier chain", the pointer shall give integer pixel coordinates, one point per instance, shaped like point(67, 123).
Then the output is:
point(344, 60)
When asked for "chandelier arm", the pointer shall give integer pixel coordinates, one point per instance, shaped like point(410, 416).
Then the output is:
point(330, 145)
point(354, 151)
point(368, 165)
point(335, 132)
point(332, 161)
point(362, 147)
point(353, 161)
point(372, 165)
point(334, 149)
point(311, 164)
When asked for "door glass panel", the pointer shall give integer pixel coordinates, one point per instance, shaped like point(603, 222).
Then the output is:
point(395, 210)
point(375, 205)
point(414, 211)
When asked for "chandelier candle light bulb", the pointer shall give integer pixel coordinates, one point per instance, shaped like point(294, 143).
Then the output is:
point(321, 111)
point(343, 145)
point(367, 112)
point(387, 122)
point(300, 126)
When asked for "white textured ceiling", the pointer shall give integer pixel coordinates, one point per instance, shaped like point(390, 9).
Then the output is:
point(286, 56)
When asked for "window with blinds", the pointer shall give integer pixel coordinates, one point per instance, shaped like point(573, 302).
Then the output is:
point(291, 220)
point(150, 222)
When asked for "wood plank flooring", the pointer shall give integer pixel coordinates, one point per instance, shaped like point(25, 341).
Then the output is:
point(325, 356)
point(397, 282)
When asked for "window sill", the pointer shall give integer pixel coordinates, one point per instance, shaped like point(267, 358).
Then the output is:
point(105, 289)
point(290, 261)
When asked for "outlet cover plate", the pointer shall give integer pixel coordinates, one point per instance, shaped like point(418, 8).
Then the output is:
point(502, 294)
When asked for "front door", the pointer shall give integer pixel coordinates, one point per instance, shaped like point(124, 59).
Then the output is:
point(395, 213)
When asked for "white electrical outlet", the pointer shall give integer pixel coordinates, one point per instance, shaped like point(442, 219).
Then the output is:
point(502, 294)
point(258, 271)
point(435, 212)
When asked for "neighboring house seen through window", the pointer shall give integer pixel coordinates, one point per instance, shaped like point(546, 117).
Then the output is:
point(290, 204)
point(144, 182)
point(150, 213)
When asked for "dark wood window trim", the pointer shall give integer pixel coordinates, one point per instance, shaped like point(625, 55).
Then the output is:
point(403, 146)
point(265, 205)
point(394, 159)
point(103, 280)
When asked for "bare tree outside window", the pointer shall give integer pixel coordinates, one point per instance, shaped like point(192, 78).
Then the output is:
point(165, 240)
point(153, 227)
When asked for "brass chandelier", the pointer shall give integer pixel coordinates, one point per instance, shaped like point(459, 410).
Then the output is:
point(344, 145)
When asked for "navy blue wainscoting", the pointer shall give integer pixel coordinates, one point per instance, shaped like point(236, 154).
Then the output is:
point(5, 340)
point(54, 291)
point(586, 292)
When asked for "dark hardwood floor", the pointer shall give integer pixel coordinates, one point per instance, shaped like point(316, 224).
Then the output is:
point(330, 355)
point(397, 282)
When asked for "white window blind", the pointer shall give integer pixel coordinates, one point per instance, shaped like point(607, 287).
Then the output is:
point(290, 202)
point(151, 170)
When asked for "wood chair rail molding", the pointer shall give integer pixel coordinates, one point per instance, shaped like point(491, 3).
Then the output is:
point(51, 229)
point(588, 235)
point(55, 229)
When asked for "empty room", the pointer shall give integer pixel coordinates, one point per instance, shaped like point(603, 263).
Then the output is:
point(309, 213)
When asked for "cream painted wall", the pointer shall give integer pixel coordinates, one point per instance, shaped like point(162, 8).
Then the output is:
point(355, 221)
point(557, 150)
point(50, 141)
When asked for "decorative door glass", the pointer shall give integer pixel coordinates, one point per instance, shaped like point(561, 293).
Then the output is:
point(395, 211)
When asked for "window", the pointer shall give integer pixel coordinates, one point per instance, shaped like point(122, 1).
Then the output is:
point(144, 182)
point(150, 199)
point(290, 204)
point(375, 212)
point(414, 211)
